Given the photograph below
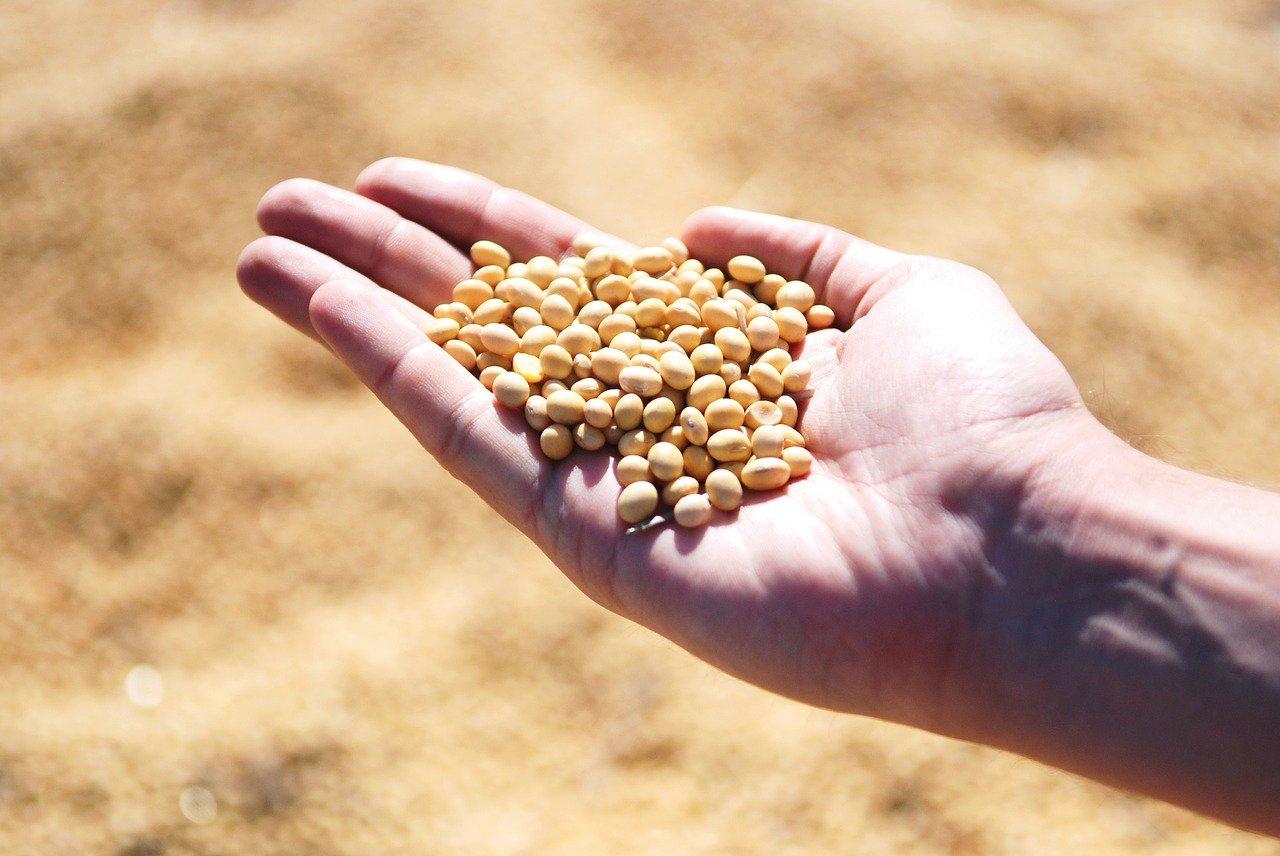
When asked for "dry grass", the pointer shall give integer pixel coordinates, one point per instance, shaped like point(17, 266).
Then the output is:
point(186, 485)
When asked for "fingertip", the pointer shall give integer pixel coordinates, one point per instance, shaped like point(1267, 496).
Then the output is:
point(285, 201)
point(379, 174)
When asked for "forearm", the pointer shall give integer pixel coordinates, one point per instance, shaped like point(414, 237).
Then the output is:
point(1132, 625)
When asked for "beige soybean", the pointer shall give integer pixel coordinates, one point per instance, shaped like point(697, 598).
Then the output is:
point(733, 343)
point(706, 359)
point(488, 253)
point(768, 441)
point(792, 325)
point(724, 413)
point(766, 379)
point(695, 426)
point(789, 410)
point(706, 390)
point(637, 441)
point(556, 442)
point(724, 490)
point(746, 269)
point(796, 295)
point(659, 414)
point(762, 413)
point(729, 445)
point(653, 260)
point(556, 361)
point(779, 358)
point(633, 468)
point(718, 314)
point(486, 360)
point(537, 338)
point(762, 332)
point(799, 459)
point(441, 330)
point(472, 292)
point(629, 411)
point(666, 462)
point(490, 275)
point(640, 380)
point(588, 437)
point(796, 375)
point(597, 413)
point(528, 367)
point(744, 392)
point(676, 369)
point(462, 353)
point(820, 317)
point(637, 501)
point(697, 461)
point(566, 407)
point(766, 474)
point(693, 511)
point(499, 339)
point(675, 490)
point(535, 412)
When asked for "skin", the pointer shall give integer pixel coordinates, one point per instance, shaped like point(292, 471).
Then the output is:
point(972, 553)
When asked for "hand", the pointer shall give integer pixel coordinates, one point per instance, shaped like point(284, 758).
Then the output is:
point(855, 588)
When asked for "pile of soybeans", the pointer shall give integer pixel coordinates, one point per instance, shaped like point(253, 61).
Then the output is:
point(686, 371)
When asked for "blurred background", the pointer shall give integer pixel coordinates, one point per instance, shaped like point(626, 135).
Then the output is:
point(240, 610)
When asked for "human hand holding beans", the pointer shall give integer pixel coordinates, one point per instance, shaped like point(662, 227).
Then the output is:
point(877, 584)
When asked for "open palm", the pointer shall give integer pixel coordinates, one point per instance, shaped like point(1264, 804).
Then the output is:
point(858, 587)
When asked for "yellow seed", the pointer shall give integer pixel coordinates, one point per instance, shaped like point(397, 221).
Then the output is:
point(578, 339)
point(608, 363)
point(593, 313)
point(718, 314)
point(628, 412)
point(565, 287)
point(581, 366)
point(614, 325)
point(799, 459)
point(556, 361)
point(703, 291)
point(653, 260)
point(675, 436)
point(731, 372)
point(791, 436)
point(637, 441)
point(628, 343)
point(716, 276)
point(767, 379)
point(766, 474)
point(767, 288)
point(659, 414)
point(490, 275)
point(455, 312)
point(488, 253)
point(441, 330)
point(693, 511)
point(528, 367)
point(760, 310)
point(472, 292)
point(665, 461)
point(790, 411)
point(485, 359)
point(682, 312)
point(691, 265)
point(541, 269)
point(740, 297)
point(557, 311)
point(588, 388)
point(499, 339)
point(792, 325)
point(676, 369)
point(734, 467)
point(746, 269)
point(744, 392)
point(586, 241)
point(705, 390)
point(622, 261)
point(519, 292)
point(510, 389)
point(697, 462)
point(525, 319)
point(676, 249)
point(687, 336)
point(679, 488)
point(706, 359)
point(820, 317)
point(463, 353)
point(641, 380)
point(796, 375)
point(768, 441)
point(650, 312)
point(553, 385)
point(761, 331)
point(645, 287)
point(633, 468)
point(489, 374)
point(598, 413)
point(598, 260)
point(556, 442)
point(470, 333)
point(733, 343)
point(613, 289)
point(779, 358)
point(729, 445)
point(588, 437)
point(565, 406)
point(637, 501)
point(535, 412)
point(695, 426)
point(535, 339)
point(724, 413)
point(796, 294)
point(724, 490)
point(763, 413)
point(493, 311)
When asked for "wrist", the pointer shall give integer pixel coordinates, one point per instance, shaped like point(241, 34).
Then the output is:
point(1129, 624)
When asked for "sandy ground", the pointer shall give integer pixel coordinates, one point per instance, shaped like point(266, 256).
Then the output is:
point(353, 655)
